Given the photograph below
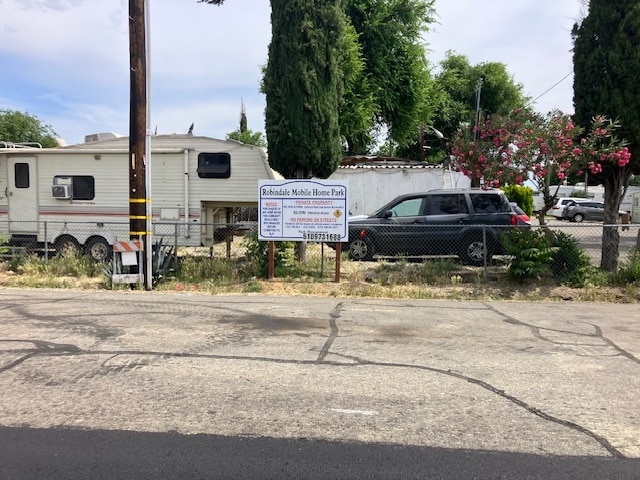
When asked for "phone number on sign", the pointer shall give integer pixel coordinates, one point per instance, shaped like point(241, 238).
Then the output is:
point(323, 237)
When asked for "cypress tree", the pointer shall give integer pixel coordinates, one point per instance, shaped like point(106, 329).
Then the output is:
point(303, 87)
point(606, 59)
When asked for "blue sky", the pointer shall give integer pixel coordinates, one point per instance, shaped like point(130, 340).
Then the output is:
point(67, 61)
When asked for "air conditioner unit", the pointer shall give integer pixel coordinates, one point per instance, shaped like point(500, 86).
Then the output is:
point(62, 192)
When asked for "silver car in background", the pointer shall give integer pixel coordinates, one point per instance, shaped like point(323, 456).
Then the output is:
point(587, 210)
point(580, 211)
point(559, 210)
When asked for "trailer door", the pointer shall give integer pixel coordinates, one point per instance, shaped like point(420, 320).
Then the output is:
point(23, 195)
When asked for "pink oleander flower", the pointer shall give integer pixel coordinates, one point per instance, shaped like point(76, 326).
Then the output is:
point(622, 156)
point(595, 167)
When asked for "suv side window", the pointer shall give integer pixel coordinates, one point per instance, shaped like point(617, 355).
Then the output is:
point(447, 204)
point(489, 203)
point(408, 208)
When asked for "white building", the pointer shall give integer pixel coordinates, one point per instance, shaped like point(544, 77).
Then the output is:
point(374, 181)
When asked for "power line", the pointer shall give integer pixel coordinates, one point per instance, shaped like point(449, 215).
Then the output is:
point(551, 87)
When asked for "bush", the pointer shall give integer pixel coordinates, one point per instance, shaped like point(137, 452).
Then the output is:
point(531, 253)
point(258, 255)
point(629, 270)
point(163, 260)
point(522, 195)
point(569, 263)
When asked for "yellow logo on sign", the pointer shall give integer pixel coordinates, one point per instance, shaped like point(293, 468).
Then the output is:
point(337, 213)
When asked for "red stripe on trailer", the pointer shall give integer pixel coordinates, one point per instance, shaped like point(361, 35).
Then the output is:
point(127, 246)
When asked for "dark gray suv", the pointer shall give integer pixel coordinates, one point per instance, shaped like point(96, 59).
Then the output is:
point(437, 222)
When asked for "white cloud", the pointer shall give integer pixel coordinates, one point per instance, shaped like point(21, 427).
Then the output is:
point(44, 5)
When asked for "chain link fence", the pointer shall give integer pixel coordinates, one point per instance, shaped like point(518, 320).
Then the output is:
point(477, 245)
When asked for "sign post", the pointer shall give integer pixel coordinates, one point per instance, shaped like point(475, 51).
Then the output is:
point(304, 210)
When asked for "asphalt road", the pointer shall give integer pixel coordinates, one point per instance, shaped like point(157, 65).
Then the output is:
point(148, 385)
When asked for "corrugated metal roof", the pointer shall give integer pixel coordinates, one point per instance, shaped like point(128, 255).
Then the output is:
point(382, 162)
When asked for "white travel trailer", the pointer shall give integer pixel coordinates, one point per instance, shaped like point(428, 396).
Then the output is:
point(78, 196)
point(635, 208)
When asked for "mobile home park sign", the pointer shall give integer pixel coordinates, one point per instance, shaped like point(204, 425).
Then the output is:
point(313, 210)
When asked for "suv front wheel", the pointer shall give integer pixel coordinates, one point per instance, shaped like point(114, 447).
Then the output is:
point(472, 251)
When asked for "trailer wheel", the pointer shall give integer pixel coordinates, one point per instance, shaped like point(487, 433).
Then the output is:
point(99, 250)
point(67, 246)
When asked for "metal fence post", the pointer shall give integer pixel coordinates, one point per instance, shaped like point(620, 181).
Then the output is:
point(486, 251)
point(176, 226)
point(46, 244)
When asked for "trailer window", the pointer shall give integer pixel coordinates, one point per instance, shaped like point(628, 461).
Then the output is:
point(84, 186)
point(214, 165)
point(22, 175)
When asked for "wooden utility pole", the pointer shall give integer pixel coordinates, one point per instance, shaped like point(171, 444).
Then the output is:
point(138, 219)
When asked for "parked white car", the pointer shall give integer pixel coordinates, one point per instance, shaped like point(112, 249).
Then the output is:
point(560, 208)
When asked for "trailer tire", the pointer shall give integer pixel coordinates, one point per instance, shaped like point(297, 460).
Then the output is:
point(67, 246)
point(99, 250)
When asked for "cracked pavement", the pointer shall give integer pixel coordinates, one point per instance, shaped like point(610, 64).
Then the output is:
point(535, 378)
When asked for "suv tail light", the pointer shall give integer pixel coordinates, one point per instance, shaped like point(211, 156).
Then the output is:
point(514, 219)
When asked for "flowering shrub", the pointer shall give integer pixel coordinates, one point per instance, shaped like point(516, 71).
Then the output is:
point(544, 149)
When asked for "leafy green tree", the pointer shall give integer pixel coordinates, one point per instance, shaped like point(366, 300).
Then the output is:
point(357, 113)
point(460, 85)
point(18, 127)
point(606, 60)
point(244, 135)
point(396, 73)
point(303, 83)
point(249, 137)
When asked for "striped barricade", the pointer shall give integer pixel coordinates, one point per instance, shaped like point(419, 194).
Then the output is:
point(129, 252)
